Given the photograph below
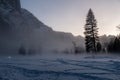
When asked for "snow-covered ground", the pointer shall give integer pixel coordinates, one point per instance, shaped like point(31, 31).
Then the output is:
point(60, 67)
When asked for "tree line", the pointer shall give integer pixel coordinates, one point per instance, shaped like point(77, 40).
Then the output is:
point(114, 45)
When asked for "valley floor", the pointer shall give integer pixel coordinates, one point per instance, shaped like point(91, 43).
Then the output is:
point(74, 67)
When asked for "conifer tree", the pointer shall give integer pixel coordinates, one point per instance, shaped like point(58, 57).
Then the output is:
point(91, 32)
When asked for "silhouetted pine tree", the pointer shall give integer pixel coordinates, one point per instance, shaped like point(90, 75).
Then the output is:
point(110, 46)
point(99, 47)
point(91, 32)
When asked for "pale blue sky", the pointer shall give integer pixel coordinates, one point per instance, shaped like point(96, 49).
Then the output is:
point(70, 15)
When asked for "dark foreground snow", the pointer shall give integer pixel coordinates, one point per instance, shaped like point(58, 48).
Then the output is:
point(75, 67)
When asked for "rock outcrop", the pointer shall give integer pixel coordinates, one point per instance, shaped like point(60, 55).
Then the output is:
point(11, 4)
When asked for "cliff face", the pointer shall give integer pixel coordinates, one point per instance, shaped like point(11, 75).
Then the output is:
point(25, 30)
point(11, 4)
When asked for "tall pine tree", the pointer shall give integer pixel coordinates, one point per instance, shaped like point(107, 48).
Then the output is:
point(91, 32)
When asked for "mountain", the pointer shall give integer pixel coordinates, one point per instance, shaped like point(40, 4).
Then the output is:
point(21, 31)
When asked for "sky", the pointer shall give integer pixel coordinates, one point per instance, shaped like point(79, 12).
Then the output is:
point(70, 15)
